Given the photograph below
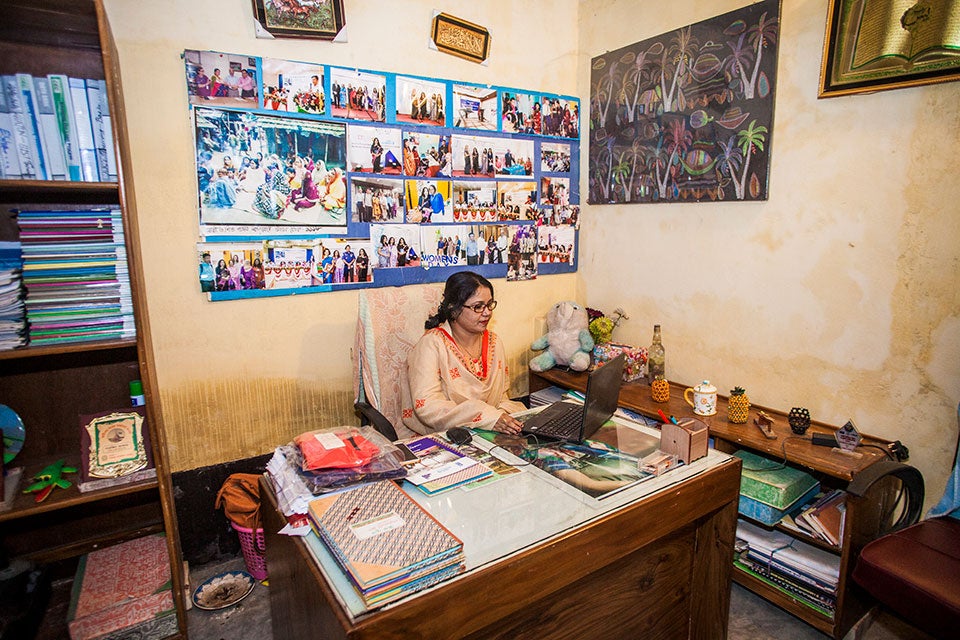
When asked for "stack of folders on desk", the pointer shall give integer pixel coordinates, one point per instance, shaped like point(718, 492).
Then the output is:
point(824, 518)
point(442, 466)
point(76, 276)
point(13, 325)
point(387, 544)
point(802, 571)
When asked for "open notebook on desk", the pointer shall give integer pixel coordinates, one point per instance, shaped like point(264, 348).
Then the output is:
point(571, 422)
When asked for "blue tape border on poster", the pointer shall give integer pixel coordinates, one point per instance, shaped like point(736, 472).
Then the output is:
point(401, 276)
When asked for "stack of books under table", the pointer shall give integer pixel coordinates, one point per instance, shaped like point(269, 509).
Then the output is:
point(387, 544)
point(76, 276)
point(808, 574)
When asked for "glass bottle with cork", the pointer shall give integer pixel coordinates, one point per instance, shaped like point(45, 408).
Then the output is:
point(655, 357)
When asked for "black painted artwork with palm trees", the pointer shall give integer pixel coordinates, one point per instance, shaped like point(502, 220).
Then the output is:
point(687, 116)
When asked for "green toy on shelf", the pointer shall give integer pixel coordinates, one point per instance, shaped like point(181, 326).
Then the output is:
point(49, 478)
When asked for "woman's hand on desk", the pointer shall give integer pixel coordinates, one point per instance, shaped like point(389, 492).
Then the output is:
point(506, 423)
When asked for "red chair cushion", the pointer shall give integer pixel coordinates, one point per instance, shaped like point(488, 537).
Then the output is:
point(916, 573)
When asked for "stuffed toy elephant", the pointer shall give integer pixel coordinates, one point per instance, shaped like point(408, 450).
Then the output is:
point(567, 341)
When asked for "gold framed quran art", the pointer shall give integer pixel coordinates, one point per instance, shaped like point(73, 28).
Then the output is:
point(460, 38)
point(874, 45)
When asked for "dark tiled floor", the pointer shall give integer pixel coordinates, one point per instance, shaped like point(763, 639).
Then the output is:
point(751, 617)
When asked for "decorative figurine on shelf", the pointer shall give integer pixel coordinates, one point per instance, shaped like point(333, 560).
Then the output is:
point(765, 424)
point(660, 389)
point(738, 406)
point(49, 478)
point(799, 419)
point(567, 342)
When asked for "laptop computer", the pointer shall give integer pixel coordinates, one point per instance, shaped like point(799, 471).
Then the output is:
point(572, 422)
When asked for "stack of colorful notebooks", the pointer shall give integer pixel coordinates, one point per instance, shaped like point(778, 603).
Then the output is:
point(387, 544)
point(806, 573)
point(13, 325)
point(76, 276)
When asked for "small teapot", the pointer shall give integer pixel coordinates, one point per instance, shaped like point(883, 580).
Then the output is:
point(704, 401)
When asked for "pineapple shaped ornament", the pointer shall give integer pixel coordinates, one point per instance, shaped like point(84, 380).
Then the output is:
point(659, 389)
point(738, 406)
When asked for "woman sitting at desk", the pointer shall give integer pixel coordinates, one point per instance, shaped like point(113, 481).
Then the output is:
point(458, 369)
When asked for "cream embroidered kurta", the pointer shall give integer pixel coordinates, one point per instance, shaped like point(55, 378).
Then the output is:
point(447, 388)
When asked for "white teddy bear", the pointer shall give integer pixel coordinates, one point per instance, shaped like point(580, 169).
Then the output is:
point(567, 341)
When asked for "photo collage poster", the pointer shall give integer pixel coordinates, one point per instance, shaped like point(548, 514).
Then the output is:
point(317, 176)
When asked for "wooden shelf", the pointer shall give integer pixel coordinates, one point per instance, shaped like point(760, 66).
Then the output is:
point(784, 601)
point(76, 347)
point(33, 192)
point(24, 505)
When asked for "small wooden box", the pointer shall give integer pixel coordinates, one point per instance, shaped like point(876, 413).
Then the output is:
point(687, 441)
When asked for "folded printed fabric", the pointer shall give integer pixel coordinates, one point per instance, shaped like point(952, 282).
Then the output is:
point(338, 448)
point(634, 358)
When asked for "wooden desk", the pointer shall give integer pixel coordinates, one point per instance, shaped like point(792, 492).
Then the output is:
point(864, 519)
point(659, 567)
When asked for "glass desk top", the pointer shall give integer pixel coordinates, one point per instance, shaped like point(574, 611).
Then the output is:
point(499, 519)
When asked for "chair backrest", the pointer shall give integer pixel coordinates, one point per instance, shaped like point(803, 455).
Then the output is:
point(389, 323)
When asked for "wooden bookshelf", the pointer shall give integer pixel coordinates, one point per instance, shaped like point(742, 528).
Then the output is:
point(50, 387)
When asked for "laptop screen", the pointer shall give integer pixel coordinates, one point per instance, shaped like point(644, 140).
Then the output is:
point(603, 392)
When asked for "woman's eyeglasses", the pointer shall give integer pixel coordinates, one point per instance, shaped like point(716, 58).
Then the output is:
point(480, 306)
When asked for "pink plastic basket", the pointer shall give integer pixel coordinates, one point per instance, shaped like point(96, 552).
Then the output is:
point(253, 548)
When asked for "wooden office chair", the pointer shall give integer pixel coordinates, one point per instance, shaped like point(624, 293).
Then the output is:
point(389, 322)
point(914, 570)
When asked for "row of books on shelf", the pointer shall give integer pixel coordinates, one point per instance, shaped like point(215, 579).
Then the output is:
point(802, 571)
point(67, 280)
point(55, 127)
point(823, 518)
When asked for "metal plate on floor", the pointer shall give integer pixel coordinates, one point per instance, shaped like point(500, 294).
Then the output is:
point(223, 590)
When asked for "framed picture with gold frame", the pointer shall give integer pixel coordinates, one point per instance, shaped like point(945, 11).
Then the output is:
point(317, 19)
point(874, 45)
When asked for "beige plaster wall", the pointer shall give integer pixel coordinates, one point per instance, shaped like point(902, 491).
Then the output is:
point(239, 378)
point(841, 292)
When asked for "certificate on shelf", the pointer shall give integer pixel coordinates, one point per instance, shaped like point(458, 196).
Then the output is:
point(114, 443)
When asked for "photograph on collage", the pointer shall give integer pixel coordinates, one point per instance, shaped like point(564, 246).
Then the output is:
point(396, 245)
point(295, 87)
point(357, 95)
point(555, 191)
point(522, 252)
point(376, 199)
point(517, 200)
point(255, 169)
point(519, 112)
point(554, 157)
point(513, 157)
point(486, 244)
point(428, 201)
point(421, 101)
point(290, 264)
point(474, 107)
point(374, 150)
point(343, 261)
point(556, 244)
point(475, 201)
point(561, 215)
point(221, 79)
point(473, 156)
point(561, 117)
point(231, 266)
point(444, 245)
point(426, 154)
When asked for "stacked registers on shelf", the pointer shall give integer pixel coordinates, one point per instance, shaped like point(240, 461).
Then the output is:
point(387, 544)
point(802, 571)
point(76, 276)
point(13, 325)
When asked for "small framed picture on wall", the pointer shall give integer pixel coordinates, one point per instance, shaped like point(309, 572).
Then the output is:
point(318, 19)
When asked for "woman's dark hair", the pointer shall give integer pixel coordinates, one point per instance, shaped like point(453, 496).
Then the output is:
point(458, 289)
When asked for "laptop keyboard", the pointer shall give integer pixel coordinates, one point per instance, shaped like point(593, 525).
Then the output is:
point(564, 425)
